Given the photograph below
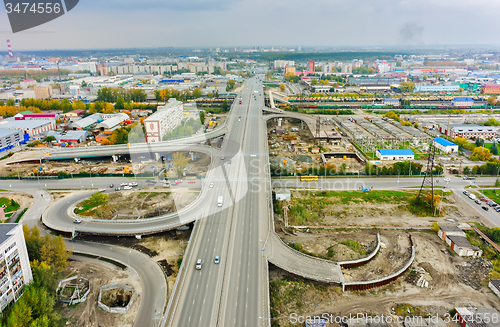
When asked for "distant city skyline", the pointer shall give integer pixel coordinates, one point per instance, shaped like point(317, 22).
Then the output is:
point(241, 23)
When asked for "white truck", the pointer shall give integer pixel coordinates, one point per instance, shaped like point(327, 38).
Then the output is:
point(219, 201)
point(472, 196)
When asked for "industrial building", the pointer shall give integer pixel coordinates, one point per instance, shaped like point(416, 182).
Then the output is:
point(15, 270)
point(437, 88)
point(86, 122)
point(444, 145)
point(462, 102)
point(31, 127)
point(468, 317)
point(472, 131)
point(165, 119)
point(456, 239)
point(494, 285)
point(490, 89)
point(70, 136)
point(395, 154)
point(37, 115)
point(112, 122)
point(10, 138)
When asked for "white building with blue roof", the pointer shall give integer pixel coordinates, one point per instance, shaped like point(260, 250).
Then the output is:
point(462, 102)
point(444, 145)
point(395, 154)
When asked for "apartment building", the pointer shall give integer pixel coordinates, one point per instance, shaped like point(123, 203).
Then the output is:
point(165, 119)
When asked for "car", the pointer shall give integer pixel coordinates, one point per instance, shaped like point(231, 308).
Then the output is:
point(77, 221)
point(466, 193)
point(133, 184)
point(465, 178)
point(198, 264)
point(485, 208)
point(446, 179)
point(484, 199)
point(102, 190)
point(191, 181)
point(124, 184)
point(111, 186)
point(149, 181)
point(478, 202)
point(117, 189)
point(497, 209)
point(217, 259)
point(178, 181)
point(222, 158)
point(211, 184)
point(127, 187)
point(493, 204)
point(229, 161)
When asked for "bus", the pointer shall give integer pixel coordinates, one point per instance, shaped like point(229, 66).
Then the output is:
point(308, 178)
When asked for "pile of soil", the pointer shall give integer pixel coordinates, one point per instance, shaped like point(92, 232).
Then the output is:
point(116, 297)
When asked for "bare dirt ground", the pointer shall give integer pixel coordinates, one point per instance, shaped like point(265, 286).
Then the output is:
point(24, 200)
point(131, 204)
point(165, 248)
point(447, 286)
point(88, 314)
point(386, 214)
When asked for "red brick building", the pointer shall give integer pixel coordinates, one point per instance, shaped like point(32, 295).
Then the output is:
point(490, 89)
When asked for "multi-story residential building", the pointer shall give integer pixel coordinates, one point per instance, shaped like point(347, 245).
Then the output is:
point(346, 68)
point(15, 270)
point(43, 92)
point(283, 63)
point(165, 119)
point(310, 66)
point(289, 70)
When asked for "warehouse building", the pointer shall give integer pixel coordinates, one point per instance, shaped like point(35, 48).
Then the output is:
point(455, 238)
point(165, 119)
point(395, 154)
point(86, 122)
point(10, 138)
point(70, 136)
point(462, 102)
point(437, 88)
point(444, 145)
point(15, 270)
point(112, 122)
point(31, 127)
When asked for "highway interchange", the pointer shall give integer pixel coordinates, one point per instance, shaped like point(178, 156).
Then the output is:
point(235, 291)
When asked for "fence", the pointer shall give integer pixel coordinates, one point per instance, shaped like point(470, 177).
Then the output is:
point(366, 285)
point(362, 261)
point(116, 309)
point(82, 298)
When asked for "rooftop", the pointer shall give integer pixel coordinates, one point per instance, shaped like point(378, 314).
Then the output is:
point(5, 231)
point(4, 132)
point(444, 142)
point(396, 152)
point(448, 228)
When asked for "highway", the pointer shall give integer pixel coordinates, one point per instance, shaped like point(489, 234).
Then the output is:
point(230, 293)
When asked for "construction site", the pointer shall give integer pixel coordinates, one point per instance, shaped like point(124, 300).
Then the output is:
point(294, 149)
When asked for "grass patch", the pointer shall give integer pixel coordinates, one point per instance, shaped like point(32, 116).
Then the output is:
point(11, 204)
point(355, 246)
point(95, 200)
point(21, 215)
point(492, 194)
point(357, 197)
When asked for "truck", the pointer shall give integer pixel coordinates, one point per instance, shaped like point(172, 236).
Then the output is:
point(219, 201)
point(472, 196)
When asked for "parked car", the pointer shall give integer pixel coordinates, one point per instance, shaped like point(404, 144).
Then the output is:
point(484, 199)
point(478, 202)
point(485, 208)
point(497, 209)
point(102, 190)
point(191, 181)
point(178, 181)
point(127, 187)
point(124, 184)
point(77, 221)
point(466, 193)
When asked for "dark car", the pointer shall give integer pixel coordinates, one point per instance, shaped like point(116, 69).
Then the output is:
point(111, 185)
point(485, 208)
point(478, 202)
point(497, 209)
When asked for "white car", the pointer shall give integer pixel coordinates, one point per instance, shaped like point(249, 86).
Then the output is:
point(77, 221)
point(211, 184)
point(133, 184)
point(102, 190)
point(446, 179)
point(124, 184)
point(127, 187)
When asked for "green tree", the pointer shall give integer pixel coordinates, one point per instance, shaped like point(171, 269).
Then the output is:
point(494, 149)
point(497, 182)
point(49, 139)
point(47, 249)
point(196, 93)
point(491, 122)
point(406, 86)
point(180, 162)
point(202, 117)
point(224, 106)
point(491, 102)
point(11, 102)
point(120, 103)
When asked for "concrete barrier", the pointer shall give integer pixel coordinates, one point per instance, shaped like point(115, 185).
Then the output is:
point(116, 309)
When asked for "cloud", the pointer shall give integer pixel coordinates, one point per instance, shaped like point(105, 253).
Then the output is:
point(411, 33)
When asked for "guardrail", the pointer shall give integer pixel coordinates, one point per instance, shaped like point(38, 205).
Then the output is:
point(362, 261)
point(181, 276)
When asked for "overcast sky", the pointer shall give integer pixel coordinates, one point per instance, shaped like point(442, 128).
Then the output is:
point(222, 23)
